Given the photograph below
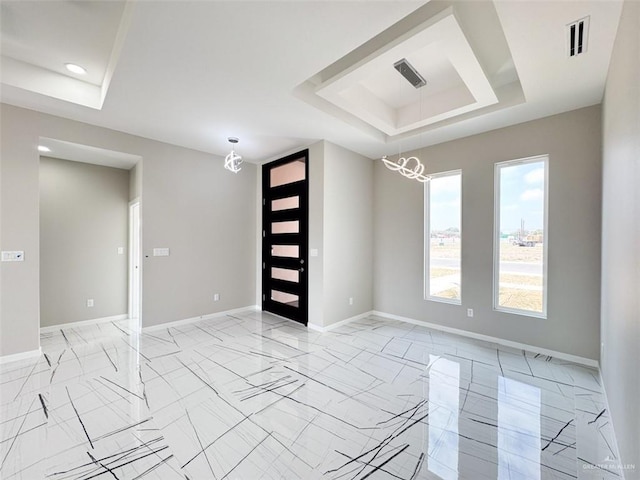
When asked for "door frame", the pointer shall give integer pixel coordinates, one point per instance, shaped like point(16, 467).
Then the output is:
point(303, 299)
point(135, 240)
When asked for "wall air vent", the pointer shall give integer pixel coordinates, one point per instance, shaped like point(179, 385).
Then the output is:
point(410, 73)
point(577, 33)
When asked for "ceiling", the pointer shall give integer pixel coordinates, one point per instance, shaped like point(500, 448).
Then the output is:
point(87, 154)
point(39, 38)
point(282, 74)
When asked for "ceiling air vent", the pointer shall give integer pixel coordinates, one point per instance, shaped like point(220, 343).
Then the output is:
point(577, 35)
point(410, 73)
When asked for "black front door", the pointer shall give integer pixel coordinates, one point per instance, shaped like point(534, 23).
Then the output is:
point(285, 236)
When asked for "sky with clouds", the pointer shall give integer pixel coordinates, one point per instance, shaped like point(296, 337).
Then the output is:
point(521, 197)
point(445, 202)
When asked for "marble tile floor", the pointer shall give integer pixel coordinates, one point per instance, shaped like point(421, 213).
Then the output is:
point(253, 396)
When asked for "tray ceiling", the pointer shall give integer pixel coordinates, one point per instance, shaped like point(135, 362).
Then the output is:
point(282, 75)
point(372, 90)
point(40, 37)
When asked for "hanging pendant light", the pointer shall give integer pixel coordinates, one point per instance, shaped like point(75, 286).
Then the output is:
point(233, 161)
point(410, 167)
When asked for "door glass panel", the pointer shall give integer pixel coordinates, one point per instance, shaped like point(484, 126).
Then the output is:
point(290, 251)
point(285, 203)
point(286, 298)
point(285, 274)
point(285, 218)
point(285, 227)
point(288, 173)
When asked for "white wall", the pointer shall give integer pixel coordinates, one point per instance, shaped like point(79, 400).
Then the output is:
point(83, 222)
point(203, 213)
point(620, 328)
point(572, 141)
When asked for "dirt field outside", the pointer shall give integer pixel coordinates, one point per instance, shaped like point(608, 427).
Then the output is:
point(442, 272)
point(528, 280)
point(451, 293)
point(521, 299)
point(519, 291)
point(508, 252)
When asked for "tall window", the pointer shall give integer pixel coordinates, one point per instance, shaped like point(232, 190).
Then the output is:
point(443, 228)
point(520, 243)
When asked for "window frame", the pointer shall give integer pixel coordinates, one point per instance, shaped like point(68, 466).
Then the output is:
point(544, 158)
point(427, 239)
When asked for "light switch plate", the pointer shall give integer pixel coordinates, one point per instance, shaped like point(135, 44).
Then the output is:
point(313, 252)
point(120, 250)
point(160, 252)
point(13, 256)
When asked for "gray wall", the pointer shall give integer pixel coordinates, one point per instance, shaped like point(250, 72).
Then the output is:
point(135, 181)
point(341, 228)
point(620, 328)
point(348, 234)
point(83, 221)
point(572, 141)
point(206, 215)
point(19, 193)
point(190, 204)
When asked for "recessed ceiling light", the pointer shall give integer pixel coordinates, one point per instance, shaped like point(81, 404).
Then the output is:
point(72, 67)
point(43, 149)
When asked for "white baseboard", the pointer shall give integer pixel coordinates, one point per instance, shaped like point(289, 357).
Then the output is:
point(82, 323)
point(333, 326)
point(500, 341)
point(16, 357)
point(208, 316)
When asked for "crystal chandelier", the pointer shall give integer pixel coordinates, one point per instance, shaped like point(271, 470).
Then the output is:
point(233, 160)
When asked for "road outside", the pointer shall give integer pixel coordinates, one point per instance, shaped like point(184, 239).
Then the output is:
point(520, 274)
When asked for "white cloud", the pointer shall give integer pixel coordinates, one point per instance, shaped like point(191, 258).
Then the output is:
point(532, 194)
point(452, 203)
point(509, 171)
point(535, 177)
point(448, 184)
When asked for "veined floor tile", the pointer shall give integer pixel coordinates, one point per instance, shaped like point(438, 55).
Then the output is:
point(23, 434)
point(23, 378)
point(254, 396)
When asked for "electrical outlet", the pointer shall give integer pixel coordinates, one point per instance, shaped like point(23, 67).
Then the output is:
point(90, 302)
point(120, 250)
point(216, 297)
point(350, 300)
point(469, 312)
